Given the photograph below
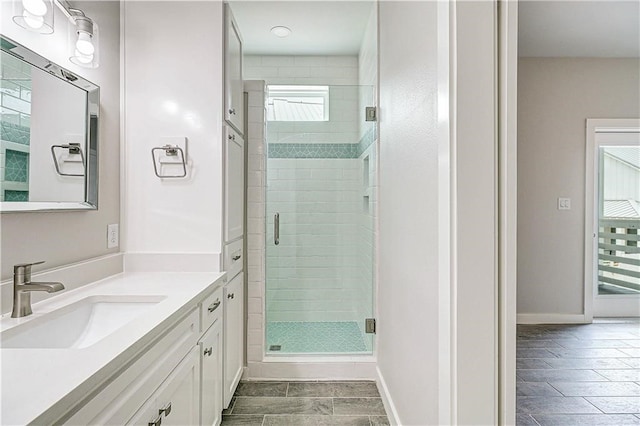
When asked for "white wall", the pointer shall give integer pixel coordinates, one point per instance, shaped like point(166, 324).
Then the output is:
point(476, 216)
point(555, 97)
point(58, 117)
point(173, 89)
point(61, 238)
point(408, 178)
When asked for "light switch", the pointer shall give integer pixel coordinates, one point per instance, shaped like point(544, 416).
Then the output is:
point(564, 203)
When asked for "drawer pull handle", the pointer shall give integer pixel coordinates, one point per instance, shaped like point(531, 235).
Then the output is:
point(232, 137)
point(208, 351)
point(230, 296)
point(236, 257)
point(156, 422)
point(232, 111)
point(166, 410)
point(214, 306)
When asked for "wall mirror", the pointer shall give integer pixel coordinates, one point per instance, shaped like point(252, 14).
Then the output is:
point(48, 134)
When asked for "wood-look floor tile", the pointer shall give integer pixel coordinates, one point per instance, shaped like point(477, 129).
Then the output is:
point(357, 406)
point(379, 420)
point(586, 419)
point(588, 353)
point(303, 420)
point(535, 389)
point(525, 420)
point(617, 405)
point(241, 420)
point(597, 388)
point(553, 404)
point(586, 363)
point(275, 405)
point(627, 375)
point(561, 375)
point(261, 389)
point(531, 364)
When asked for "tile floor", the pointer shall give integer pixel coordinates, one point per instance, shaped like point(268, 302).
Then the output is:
point(319, 337)
point(306, 404)
point(579, 374)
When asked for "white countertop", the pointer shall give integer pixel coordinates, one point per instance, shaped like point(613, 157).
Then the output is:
point(40, 385)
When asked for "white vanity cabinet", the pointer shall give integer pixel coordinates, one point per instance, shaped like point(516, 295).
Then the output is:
point(234, 185)
point(233, 83)
point(177, 400)
point(233, 335)
point(210, 347)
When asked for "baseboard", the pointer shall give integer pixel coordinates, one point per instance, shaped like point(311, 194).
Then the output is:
point(72, 276)
point(310, 371)
point(387, 401)
point(173, 262)
point(552, 319)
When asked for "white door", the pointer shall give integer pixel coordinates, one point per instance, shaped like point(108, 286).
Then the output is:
point(612, 231)
point(234, 108)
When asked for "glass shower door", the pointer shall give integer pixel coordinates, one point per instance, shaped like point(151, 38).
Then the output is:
point(320, 209)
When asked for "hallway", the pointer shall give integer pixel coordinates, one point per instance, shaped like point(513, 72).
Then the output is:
point(579, 374)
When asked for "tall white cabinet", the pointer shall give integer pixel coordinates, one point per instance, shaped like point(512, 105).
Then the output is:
point(234, 210)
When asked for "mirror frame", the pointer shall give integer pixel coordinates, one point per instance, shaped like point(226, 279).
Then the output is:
point(92, 113)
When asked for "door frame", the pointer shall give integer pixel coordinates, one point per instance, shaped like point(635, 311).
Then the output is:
point(593, 127)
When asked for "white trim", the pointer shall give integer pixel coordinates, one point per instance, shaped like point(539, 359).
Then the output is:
point(387, 401)
point(552, 319)
point(593, 127)
point(617, 306)
point(313, 370)
point(446, 383)
point(508, 209)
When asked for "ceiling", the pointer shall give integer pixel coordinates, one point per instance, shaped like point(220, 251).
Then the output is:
point(318, 27)
point(605, 28)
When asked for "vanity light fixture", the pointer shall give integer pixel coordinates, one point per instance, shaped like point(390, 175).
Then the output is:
point(281, 31)
point(37, 15)
point(34, 15)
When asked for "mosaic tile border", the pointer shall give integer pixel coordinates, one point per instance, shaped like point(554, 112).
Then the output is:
point(322, 150)
point(15, 133)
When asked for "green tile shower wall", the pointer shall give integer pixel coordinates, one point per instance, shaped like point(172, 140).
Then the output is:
point(16, 167)
point(10, 195)
point(15, 133)
point(322, 150)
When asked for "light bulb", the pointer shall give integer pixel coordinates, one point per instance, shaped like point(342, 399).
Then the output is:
point(84, 45)
point(82, 58)
point(35, 7)
point(33, 21)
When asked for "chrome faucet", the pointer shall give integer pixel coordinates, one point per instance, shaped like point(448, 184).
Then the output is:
point(23, 286)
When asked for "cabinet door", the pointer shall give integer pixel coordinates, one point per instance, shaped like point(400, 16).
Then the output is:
point(233, 335)
point(177, 400)
point(234, 185)
point(211, 376)
point(233, 84)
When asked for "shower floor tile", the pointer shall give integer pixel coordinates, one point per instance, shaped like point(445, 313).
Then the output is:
point(315, 337)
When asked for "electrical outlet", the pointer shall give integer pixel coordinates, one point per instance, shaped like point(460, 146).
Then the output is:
point(564, 203)
point(113, 235)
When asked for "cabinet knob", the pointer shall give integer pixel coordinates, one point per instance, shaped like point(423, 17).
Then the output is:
point(232, 137)
point(208, 351)
point(157, 421)
point(166, 410)
point(214, 306)
point(236, 257)
point(230, 296)
point(232, 111)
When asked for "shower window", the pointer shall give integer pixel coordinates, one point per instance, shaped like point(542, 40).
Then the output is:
point(298, 103)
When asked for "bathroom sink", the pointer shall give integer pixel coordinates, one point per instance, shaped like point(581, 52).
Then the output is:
point(80, 324)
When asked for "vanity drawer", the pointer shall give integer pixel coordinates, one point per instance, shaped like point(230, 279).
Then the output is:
point(233, 258)
point(211, 309)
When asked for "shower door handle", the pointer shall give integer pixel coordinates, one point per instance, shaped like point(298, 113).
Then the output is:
point(276, 229)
